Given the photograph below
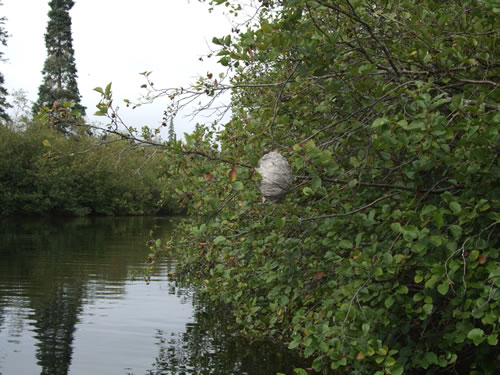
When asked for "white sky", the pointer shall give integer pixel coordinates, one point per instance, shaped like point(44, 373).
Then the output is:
point(115, 40)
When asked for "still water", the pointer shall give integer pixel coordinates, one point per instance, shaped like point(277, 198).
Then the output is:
point(68, 306)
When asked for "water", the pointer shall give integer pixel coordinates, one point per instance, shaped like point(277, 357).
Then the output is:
point(69, 306)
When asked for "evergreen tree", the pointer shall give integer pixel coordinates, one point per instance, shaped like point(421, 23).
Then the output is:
point(171, 131)
point(3, 92)
point(59, 71)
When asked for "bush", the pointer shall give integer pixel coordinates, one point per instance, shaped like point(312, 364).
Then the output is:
point(384, 257)
point(43, 171)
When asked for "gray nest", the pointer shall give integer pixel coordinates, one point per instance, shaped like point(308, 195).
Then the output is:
point(277, 177)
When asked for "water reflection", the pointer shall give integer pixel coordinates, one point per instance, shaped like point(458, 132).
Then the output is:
point(55, 319)
point(210, 346)
point(68, 306)
point(50, 269)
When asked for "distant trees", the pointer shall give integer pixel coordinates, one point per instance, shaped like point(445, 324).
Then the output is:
point(59, 71)
point(44, 172)
point(3, 92)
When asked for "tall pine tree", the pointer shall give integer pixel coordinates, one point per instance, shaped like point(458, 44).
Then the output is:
point(3, 91)
point(59, 71)
point(171, 131)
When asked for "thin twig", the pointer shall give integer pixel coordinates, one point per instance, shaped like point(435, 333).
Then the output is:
point(354, 297)
point(478, 82)
point(368, 28)
point(350, 212)
point(278, 100)
point(387, 186)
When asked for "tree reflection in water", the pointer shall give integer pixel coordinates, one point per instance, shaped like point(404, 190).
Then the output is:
point(210, 346)
point(55, 326)
point(52, 269)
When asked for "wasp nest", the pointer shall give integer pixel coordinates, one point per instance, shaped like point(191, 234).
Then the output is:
point(276, 175)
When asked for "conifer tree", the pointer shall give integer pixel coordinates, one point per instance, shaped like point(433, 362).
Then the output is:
point(171, 131)
point(59, 71)
point(3, 91)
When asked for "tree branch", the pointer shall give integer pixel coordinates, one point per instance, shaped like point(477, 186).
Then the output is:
point(350, 212)
point(368, 28)
point(387, 186)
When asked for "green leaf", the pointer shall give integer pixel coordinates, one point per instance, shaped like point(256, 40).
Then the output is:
point(307, 191)
point(284, 300)
point(382, 350)
point(225, 61)
point(443, 288)
point(397, 370)
point(474, 254)
point(428, 308)
point(429, 209)
point(402, 289)
point(316, 183)
point(476, 335)
point(217, 41)
point(396, 227)
point(107, 90)
point(354, 162)
point(389, 301)
point(266, 28)
point(419, 277)
point(410, 232)
point(444, 17)
point(456, 231)
point(308, 341)
point(379, 122)
point(438, 219)
point(492, 339)
point(417, 125)
point(456, 207)
point(430, 358)
point(432, 281)
point(219, 239)
point(295, 343)
point(238, 185)
point(345, 244)
point(436, 240)
point(323, 346)
point(389, 362)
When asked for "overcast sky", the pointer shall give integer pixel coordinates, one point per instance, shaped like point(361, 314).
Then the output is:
point(115, 40)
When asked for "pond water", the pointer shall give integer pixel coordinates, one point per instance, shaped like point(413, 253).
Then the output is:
point(68, 306)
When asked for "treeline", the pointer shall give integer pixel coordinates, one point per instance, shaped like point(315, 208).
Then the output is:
point(44, 171)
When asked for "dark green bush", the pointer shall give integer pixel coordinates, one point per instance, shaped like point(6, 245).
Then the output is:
point(43, 171)
point(384, 257)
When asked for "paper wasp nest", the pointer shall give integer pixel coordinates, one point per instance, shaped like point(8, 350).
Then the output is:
point(276, 175)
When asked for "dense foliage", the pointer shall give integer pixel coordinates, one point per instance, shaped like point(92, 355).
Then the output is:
point(59, 72)
point(45, 172)
point(384, 256)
